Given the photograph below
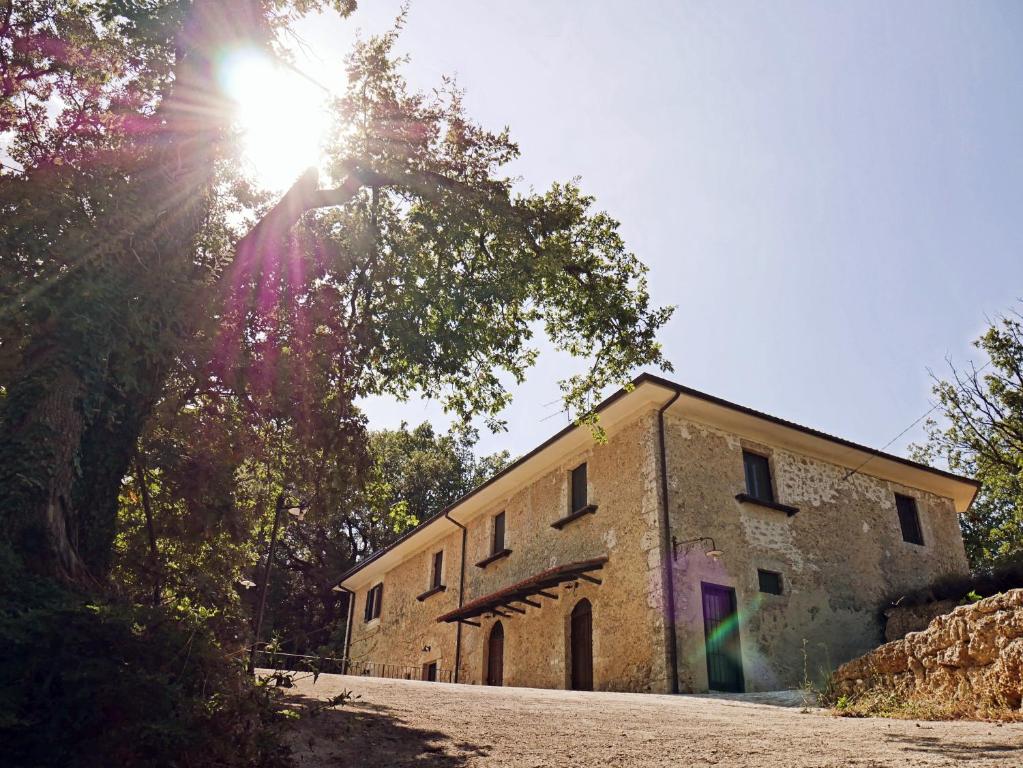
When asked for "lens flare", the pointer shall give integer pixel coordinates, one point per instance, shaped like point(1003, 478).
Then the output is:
point(282, 116)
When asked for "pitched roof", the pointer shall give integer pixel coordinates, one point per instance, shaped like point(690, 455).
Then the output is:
point(865, 454)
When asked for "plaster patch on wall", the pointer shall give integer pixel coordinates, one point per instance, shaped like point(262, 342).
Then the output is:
point(610, 538)
point(802, 480)
point(775, 536)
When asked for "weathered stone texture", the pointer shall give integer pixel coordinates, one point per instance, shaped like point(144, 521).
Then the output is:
point(841, 556)
point(628, 626)
point(971, 656)
point(900, 620)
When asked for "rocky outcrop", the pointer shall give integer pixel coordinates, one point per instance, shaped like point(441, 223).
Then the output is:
point(972, 657)
point(900, 620)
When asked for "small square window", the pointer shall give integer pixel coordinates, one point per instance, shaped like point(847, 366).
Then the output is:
point(758, 476)
point(579, 499)
point(770, 581)
point(497, 544)
point(909, 519)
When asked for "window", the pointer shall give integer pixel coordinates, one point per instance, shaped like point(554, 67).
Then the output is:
point(770, 581)
point(758, 476)
point(578, 488)
point(498, 542)
point(373, 599)
point(438, 569)
point(909, 519)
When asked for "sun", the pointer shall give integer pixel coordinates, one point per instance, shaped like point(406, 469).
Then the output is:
point(283, 116)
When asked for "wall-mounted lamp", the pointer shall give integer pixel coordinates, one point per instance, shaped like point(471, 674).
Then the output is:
point(427, 648)
point(713, 552)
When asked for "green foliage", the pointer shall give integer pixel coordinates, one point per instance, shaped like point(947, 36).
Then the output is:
point(981, 435)
point(89, 683)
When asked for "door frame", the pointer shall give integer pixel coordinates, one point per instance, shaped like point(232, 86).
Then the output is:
point(489, 648)
point(571, 645)
point(730, 591)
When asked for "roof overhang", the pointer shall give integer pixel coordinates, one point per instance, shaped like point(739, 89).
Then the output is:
point(648, 392)
point(762, 427)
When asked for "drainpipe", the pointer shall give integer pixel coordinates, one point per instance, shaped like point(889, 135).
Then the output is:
point(348, 629)
point(461, 588)
point(666, 558)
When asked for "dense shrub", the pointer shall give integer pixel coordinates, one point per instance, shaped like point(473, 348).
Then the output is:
point(85, 683)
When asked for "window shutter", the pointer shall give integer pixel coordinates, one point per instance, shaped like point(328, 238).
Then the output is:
point(498, 543)
point(758, 476)
point(379, 601)
point(438, 568)
point(367, 614)
point(909, 519)
point(578, 488)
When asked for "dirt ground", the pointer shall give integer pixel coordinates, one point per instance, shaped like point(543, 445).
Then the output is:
point(436, 725)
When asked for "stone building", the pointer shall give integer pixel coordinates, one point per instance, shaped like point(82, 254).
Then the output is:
point(703, 546)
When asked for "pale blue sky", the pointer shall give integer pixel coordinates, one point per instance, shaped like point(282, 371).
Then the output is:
point(831, 193)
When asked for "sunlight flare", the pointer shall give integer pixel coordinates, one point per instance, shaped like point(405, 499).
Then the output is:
point(283, 117)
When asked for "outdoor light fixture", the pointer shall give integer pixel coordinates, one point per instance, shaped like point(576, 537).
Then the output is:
point(337, 588)
point(713, 553)
point(247, 583)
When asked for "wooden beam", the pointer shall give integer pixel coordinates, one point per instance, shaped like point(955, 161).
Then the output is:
point(513, 608)
point(527, 601)
point(591, 579)
point(550, 595)
point(470, 623)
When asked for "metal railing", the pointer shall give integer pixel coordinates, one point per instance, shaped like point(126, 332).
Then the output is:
point(296, 662)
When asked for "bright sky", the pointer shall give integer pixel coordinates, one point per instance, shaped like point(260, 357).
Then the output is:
point(831, 193)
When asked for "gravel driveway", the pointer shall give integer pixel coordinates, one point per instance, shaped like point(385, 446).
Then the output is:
point(434, 725)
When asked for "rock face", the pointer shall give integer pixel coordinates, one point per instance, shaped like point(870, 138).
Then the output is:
point(972, 657)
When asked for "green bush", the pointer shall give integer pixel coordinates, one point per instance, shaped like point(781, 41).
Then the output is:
point(86, 683)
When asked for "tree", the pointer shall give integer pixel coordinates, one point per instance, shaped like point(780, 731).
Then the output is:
point(982, 436)
point(421, 271)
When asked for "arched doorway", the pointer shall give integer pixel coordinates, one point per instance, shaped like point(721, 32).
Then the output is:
point(495, 655)
point(582, 646)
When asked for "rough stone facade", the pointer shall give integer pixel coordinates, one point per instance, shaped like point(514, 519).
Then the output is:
point(972, 656)
point(840, 556)
point(628, 627)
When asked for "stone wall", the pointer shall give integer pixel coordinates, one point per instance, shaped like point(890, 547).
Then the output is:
point(900, 620)
point(841, 556)
point(628, 621)
point(972, 656)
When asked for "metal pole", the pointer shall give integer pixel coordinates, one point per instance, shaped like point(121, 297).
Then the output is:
point(278, 508)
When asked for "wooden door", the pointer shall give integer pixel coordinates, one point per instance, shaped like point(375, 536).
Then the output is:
point(495, 656)
point(582, 646)
point(430, 672)
point(721, 630)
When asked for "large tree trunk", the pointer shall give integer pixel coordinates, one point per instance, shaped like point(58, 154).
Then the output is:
point(73, 414)
point(94, 370)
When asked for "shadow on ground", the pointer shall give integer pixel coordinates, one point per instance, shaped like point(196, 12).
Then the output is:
point(956, 749)
point(372, 735)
